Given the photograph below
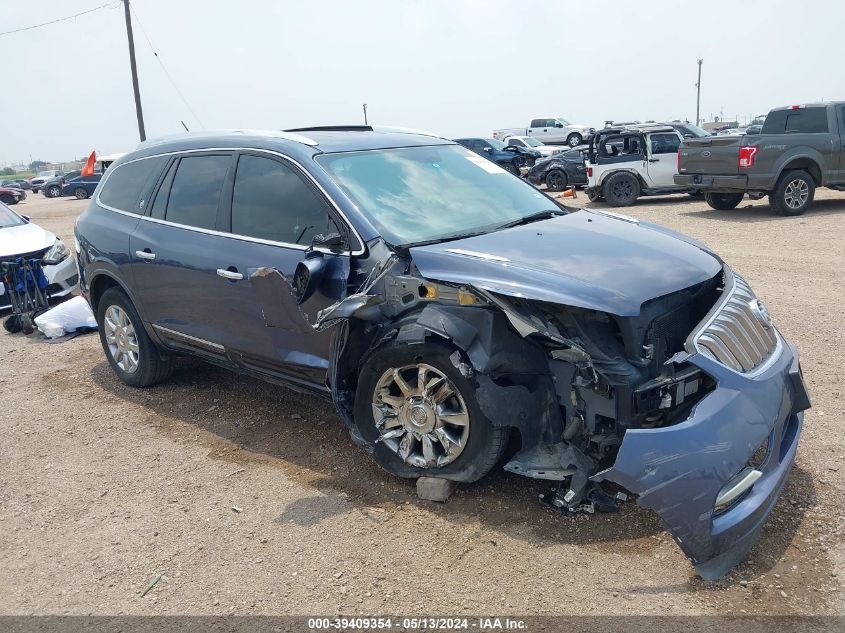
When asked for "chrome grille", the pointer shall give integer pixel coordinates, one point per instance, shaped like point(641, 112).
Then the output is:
point(734, 336)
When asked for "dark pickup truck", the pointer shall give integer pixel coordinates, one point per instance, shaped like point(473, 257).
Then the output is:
point(799, 148)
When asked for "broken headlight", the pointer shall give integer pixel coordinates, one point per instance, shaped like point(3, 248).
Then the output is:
point(58, 252)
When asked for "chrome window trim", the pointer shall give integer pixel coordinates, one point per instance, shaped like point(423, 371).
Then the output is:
point(243, 238)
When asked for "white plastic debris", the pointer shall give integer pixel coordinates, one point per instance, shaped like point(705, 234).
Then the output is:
point(66, 317)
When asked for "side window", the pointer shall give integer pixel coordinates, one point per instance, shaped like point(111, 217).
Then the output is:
point(126, 182)
point(806, 121)
point(195, 192)
point(160, 202)
point(538, 123)
point(775, 122)
point(665, 143)
point(272, 202)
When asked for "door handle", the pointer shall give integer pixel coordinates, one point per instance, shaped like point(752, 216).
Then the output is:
point(229, 274)
point(653, 160)
point(146, 255)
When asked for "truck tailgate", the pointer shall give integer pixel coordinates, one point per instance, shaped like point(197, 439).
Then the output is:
point(716, 155)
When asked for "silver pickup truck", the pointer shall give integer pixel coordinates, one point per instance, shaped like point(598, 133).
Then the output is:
point(799, 148)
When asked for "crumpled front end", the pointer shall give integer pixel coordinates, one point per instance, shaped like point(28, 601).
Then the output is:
point(714, 477)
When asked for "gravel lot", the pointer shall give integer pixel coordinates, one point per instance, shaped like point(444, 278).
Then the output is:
point(248, 498)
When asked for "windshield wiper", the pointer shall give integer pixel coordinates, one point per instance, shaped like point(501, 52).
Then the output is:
point(528, 219)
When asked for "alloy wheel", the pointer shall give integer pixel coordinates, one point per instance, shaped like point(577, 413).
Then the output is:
point(420, 415)
point(796, 194)
point(121, 339)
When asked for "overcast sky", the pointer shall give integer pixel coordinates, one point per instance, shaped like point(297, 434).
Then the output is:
point(455, 67)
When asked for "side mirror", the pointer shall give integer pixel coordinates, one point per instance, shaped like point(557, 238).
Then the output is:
point(26, 217)
point(307, 276)
point(558, 124)
point(487, 149)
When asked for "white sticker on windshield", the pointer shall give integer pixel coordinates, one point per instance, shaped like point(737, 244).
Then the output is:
point(486, 165)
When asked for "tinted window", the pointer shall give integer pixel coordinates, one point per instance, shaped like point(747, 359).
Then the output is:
point(538, 123)
point(516, 142)
point(272, 202)
point(126, 182)
point(160, 203)
point(665, 143)
point(803, 120)
point(195, 193)
point(807, 121)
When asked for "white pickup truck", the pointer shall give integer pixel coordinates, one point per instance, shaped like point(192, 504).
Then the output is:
point(551, 131)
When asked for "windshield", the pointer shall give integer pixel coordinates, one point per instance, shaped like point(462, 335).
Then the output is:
point(496, 143)
point(564, 121)
point(9, 218)
point(530, 140)
point(422, 194)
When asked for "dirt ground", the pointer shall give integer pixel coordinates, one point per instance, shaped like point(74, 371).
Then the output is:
point(249, 499)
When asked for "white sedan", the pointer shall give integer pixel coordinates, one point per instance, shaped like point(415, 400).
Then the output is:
point(530, 142)
point(20, 237)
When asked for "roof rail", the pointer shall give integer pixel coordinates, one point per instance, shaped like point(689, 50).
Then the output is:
point(297, 138)
point(387, 129)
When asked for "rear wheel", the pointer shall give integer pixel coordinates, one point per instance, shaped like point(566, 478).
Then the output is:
point(80, 193)
point(794, 193)
point(556, 180)
point(422, 417)
point(130, 351)
point(723, 201)
point(621, 189)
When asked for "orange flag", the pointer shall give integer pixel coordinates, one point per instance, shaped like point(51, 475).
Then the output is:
point(88, 170)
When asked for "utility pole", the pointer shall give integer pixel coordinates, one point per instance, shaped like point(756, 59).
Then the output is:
point(138, 111)
point(698, 95)
point(365, 114)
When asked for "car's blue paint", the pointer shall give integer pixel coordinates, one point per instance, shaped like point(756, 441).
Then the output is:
point(677, 471)
point(583, 259)
point(88, 183)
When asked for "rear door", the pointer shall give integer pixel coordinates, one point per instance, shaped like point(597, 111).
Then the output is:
point(662, 164)
point(540, 128)
point(177, 250)
point(276, 211)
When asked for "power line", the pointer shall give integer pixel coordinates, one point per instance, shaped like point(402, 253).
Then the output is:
point(70, 17)
point(161, 63)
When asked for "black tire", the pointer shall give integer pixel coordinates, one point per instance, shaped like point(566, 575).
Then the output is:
point(53, 191)
point(154, 365)
point(593, 195)
point(621, 189)
point(794, 193)
point(12, 324)
point(723, 201)
point(485, 443)
point(80, 193)
point(26, 323)
point(556, 180)
point(510, 168)
point(574, 139)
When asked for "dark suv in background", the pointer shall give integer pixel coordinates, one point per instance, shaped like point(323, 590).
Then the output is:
point(448, 308)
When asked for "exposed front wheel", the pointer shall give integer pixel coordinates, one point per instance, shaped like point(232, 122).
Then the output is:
point(130, 351)
point(421, 415)
point(556, 180)
point(574, 139)
point(794, 193)
point(53, 191)
point(510, 168)
point(723, 201)
point(621, 189)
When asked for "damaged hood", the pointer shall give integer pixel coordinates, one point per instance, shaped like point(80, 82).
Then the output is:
point(583, 259)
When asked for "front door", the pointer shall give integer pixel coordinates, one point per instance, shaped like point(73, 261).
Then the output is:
point(662, 164)
point(177, 251)
point(276, 212)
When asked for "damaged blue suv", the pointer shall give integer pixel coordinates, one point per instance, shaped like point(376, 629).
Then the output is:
point(450, 310)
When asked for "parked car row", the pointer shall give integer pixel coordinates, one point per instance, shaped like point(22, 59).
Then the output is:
point(550, 131)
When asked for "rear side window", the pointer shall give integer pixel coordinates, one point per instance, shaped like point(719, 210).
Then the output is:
point(665, 143)
point(195, 192)
point(538, 123)
point(272, 202)
point(799, 121)
point(126, 182)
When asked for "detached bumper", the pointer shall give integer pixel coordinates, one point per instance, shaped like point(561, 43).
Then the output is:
point(712, 183)
point(679, 471)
